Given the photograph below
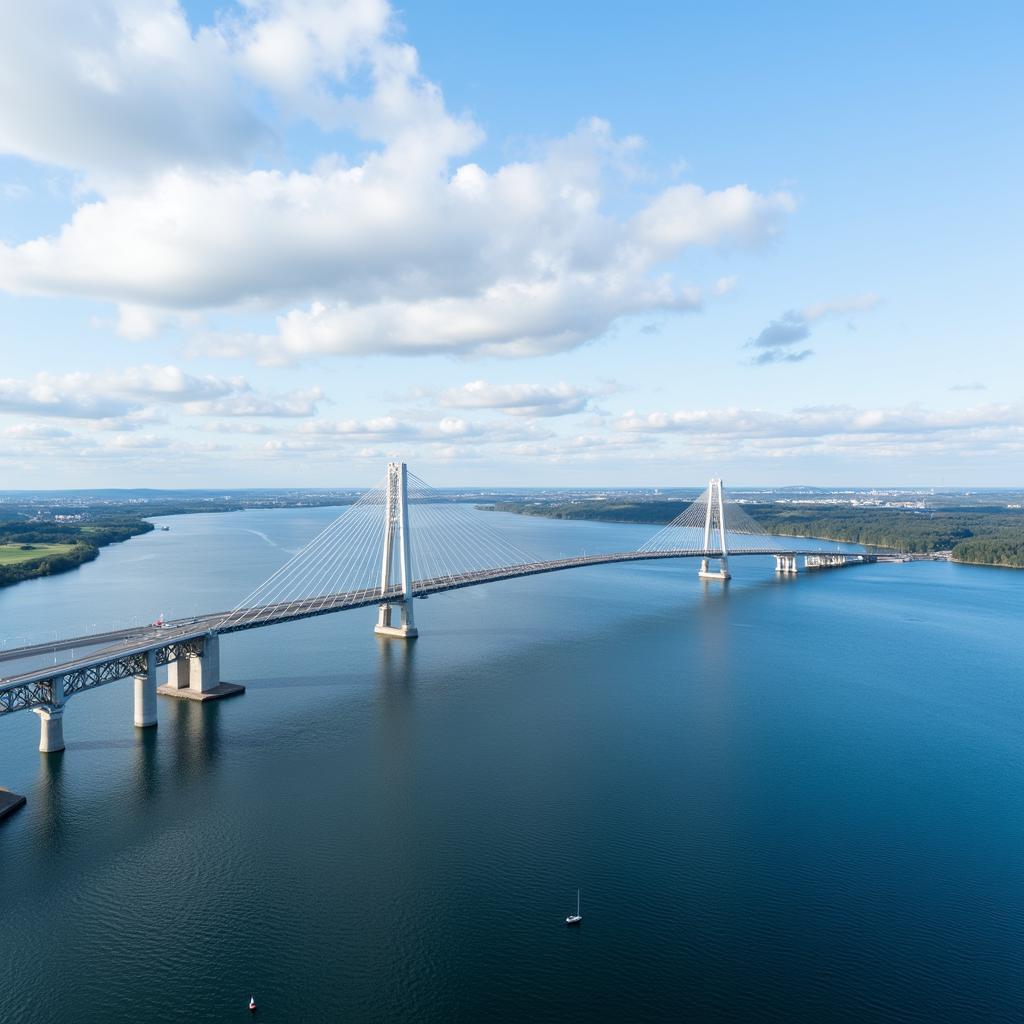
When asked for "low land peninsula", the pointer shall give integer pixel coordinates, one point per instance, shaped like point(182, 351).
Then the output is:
point(50, 532)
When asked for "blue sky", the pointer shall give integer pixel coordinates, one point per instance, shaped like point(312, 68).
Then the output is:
point(281, 242)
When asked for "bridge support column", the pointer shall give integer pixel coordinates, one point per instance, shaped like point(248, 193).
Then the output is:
point(51, 729)
point(197, 676)
point(385, 627)
point(786, 564)
point(177, 674)
point(396, 529)
point(204, 670)
point(51, 719)
point(145, 694)
point(721, 573)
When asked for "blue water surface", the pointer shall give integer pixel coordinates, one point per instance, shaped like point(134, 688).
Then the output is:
point(783, 799)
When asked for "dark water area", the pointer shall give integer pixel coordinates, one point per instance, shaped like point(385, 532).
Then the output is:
point(783, 799)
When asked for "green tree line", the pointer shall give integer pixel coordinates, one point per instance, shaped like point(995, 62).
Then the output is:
point(986, 535)
point(85, 541)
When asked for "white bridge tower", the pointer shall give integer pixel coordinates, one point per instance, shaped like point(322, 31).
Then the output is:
point(396, 529)
point(714, 523)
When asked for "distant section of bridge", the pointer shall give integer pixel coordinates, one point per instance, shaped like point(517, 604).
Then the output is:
point(364, 559)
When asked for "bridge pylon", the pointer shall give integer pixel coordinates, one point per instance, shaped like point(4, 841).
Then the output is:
point(714, 523)
point(396, 540)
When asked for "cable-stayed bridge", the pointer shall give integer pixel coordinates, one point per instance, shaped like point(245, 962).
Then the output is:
point(401, 541)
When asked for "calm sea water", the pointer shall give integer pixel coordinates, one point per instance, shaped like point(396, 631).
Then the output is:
point(784, 799)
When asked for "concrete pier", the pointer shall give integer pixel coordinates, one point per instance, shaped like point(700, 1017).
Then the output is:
point(705, 572)
point(145, 694)
point(51, 729)
point(204, 670)
point(384, 628)
point(197, 676)
point(51, 718)
point(177, 675)
point(9, 802)
point(786, 564)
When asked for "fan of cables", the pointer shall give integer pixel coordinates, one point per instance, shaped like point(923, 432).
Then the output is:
point(686, 533)
point(449, 542)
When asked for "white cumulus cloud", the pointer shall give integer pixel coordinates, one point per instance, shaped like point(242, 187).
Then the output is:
point(134, 392)
point(521, 399)
point(411, 249)
point(839, 429)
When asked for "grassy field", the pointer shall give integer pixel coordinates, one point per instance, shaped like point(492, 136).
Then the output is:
point(11, 554)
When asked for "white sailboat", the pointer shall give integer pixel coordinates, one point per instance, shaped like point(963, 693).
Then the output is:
point(575, 918)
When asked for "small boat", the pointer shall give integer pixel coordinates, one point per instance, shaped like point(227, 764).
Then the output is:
point(252, 1005)
point(577, 917)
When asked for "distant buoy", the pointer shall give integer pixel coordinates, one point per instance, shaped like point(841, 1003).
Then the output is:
point(252, 1005)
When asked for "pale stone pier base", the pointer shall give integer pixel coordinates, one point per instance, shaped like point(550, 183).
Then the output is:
point(405, 631)
point(197, 677)
point(51, 729)
point(707, 573)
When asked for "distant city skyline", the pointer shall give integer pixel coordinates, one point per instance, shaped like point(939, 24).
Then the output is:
point(277, 243)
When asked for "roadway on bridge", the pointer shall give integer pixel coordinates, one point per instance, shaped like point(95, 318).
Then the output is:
point(96, 650)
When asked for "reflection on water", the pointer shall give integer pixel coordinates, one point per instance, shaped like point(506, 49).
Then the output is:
point(146, 773)
point(48, 802)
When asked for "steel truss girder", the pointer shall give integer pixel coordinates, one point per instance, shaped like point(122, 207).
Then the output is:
point(40, 692)
point(21, 698)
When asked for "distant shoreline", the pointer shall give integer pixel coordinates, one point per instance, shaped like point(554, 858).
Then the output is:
point(956, 534)
point(986, 565)
point(80, 552)
point(87, 539)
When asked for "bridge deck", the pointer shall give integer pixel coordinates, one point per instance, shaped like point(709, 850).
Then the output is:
point(123, 655)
